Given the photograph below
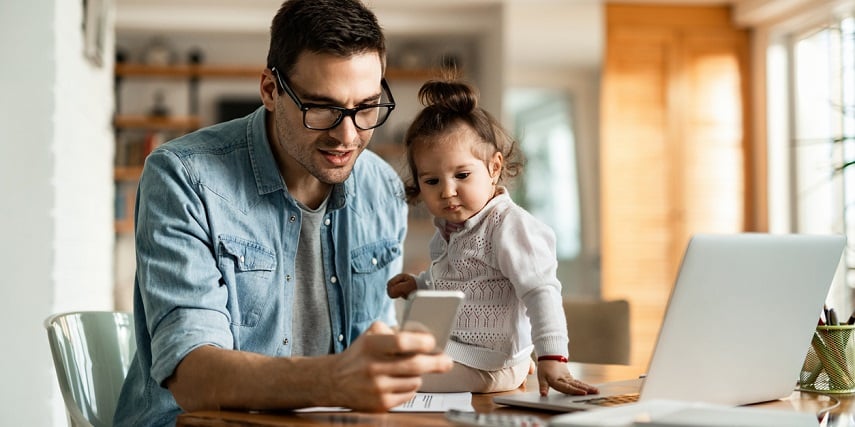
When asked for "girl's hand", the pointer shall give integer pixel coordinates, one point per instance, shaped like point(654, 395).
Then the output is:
point(401, 286)
point(552, 373)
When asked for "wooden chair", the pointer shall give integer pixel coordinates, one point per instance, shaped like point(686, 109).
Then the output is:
point(598, 330)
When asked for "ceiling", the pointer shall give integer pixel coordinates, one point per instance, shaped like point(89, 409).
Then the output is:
point(538, 33)
point(552, 33)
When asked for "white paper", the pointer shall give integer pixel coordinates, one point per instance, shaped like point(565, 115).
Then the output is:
point(421, 402)
point(437, 402)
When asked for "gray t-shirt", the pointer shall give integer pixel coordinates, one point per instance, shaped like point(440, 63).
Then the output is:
point(311, 319)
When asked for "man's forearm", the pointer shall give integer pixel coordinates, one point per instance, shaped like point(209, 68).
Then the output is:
point(378, 371)
point(213, 378)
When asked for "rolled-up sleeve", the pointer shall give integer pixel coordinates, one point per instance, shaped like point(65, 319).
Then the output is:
point(179, 282)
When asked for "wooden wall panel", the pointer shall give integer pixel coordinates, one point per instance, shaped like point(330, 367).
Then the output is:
point(674, 148)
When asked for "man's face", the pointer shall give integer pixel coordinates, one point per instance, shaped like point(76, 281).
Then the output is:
point(327, 155)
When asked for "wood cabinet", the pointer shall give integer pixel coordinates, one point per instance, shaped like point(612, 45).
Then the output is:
point(674, 148)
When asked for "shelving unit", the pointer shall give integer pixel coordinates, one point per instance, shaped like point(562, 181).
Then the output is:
point(127, 173)
point(155, 129)
point(173, 123)
point(192, 73)
point(186, 71)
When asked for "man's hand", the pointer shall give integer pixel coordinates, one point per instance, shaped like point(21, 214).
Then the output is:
point(551, 373)
point(401, 285)
point(381, 370)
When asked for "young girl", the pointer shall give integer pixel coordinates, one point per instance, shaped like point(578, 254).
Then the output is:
point(498, 254)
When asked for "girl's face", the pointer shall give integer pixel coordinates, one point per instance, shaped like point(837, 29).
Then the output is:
point(455, 183)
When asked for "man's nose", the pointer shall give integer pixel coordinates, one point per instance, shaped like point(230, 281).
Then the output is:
point(346, 131)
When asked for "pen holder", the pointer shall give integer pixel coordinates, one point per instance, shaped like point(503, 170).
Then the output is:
point(829, 366)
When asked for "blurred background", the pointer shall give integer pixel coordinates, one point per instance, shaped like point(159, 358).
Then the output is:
point(642, 124)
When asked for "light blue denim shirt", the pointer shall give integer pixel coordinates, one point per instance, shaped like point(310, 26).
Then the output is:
point(216, 240)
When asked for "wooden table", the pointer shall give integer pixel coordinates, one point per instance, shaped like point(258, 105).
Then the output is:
point(834, 410)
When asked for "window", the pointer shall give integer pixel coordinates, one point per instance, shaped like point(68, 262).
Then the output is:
point(549, 187)
point(821, 146)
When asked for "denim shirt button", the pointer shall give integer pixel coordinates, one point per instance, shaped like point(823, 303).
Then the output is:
point(327, 221)
point(292, 218)
point(333, 279)
point(287, 277)
point(340, 338)
point(241, 259)
point(374, 261)
point(285, 341)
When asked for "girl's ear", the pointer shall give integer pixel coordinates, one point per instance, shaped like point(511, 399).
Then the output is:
point(496, 166)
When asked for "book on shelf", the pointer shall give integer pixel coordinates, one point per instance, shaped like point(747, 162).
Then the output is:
point(126, 194)
point(132, 147)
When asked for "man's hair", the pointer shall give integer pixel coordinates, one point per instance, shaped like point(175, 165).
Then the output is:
point(338, 27)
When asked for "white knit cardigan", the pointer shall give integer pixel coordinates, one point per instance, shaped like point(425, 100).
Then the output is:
point(503, 259)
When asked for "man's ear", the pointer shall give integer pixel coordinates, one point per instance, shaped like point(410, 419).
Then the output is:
point(268, 89)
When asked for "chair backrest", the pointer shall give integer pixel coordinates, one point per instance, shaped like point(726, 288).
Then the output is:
point(92, 351)
point(598, 330)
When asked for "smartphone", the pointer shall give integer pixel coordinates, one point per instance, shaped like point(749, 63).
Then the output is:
point(434, 312)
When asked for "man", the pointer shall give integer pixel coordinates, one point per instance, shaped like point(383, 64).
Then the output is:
point(264, 243)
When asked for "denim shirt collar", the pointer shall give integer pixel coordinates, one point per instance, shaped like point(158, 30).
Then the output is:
point(266, 171)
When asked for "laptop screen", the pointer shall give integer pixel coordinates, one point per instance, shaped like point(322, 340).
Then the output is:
point(737, 327)
point(741, 316)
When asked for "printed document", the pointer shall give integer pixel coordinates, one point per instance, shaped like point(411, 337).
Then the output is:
point(421, 402)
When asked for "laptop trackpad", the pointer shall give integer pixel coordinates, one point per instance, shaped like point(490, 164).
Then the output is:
point(606, 389)
point(558, 401)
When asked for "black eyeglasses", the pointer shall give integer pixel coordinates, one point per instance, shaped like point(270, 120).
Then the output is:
point(324, 117)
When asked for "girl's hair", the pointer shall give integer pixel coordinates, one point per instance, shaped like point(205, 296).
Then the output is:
point(449, 102)
point(339, 27)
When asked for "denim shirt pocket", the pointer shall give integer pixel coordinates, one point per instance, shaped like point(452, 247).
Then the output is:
point(247, 269)
point(369, 268)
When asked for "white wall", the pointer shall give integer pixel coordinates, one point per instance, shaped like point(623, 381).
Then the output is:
point(56, 186)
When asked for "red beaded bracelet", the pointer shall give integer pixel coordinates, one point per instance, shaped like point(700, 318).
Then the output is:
point(554, 357)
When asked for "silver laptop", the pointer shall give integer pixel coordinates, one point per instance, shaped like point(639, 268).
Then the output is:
point(737, 327)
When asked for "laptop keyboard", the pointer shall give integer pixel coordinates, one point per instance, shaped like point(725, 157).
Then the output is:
point(618, 399)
